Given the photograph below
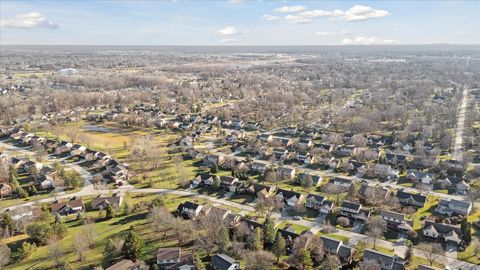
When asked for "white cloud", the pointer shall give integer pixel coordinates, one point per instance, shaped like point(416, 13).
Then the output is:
point(297, 19)
point(363, 40)
point(355, 13)
point(333, 33)
point(269, 18)
point(28, 20)
point(360, 13)
point(289, 9)
point(230, 31)
point(236, 1)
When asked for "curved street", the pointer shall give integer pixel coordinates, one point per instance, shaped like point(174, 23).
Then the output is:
point(315, 227)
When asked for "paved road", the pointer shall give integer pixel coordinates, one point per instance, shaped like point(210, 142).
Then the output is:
point(315, 227)
point(458, 144)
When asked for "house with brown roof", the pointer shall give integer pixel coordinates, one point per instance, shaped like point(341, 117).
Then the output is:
point(101, 202)
point(5, 190)
point(174, 258)
point(65, 208)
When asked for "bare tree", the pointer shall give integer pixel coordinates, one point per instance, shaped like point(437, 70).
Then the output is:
point(5, 255)
point(259, 260)
point(56, 253)
point(376, 227)
point(81, 246)
point(161, 219)
point(335, 190)
point(369, 265)
point(431, 251)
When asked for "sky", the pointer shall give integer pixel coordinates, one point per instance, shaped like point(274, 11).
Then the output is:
point(237, 22)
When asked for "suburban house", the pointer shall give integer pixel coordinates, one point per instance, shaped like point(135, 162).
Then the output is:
point(395, 159)
point(212, 159)
point(343, 182)
point(229, 183)
point(305, 157)
point(280, 153)
point(318, 202)
point(174, 258)
point(5, 190)
point(289, 235)
point(453, 207)
point(219, 212)
point(454, 183)
point(259, 166)
point(101, 202)
point(286, 172)
point(259, 190)
point(396, 221)
point(189, 210)
point(126, 264)
point(337, 247)
point(411, 199)
point(366, 191)
point(316, 179)
point(77, 149)
point(354, 211)
point(345, 151)
point(324, 147)
point(384, 171)
point(291, 198)
point(65, 208)
point(224, 262)
point(386, 261)
point(265, 138)
point(304, 143)
point(204, 178)
point(444, 232)
point(420, 177)
point(285, 142)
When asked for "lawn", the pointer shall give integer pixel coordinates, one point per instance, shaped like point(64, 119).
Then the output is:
point(416, 261)
point(297, 228)
point(335, 236)
point(425, 211)
point(468, 255)
point(106, 229)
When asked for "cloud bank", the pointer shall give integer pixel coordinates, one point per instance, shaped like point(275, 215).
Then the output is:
point(28, 20)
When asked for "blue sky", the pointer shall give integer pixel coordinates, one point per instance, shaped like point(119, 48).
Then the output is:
point(239, 22)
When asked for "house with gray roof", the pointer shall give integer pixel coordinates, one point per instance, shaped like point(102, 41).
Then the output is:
point(224, 262)
point(386, 261)
point(443, 232)
point(337, 247)
point(411, 199)
point(396, 221)
point(319, 203)
point(453, 207)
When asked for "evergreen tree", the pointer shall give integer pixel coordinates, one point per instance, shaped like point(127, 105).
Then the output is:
point(214, 168)
point(467, 231)
point(224, 239)
point(279, 246)
point(109, 212)
point(199, 265)
point(306, 259)
point(258, 241)
point(7, 224)
point(132, 247)
point(22, 193)
point(126, 208)
point(408, 252)
point(269, 231)
point(33, 190)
